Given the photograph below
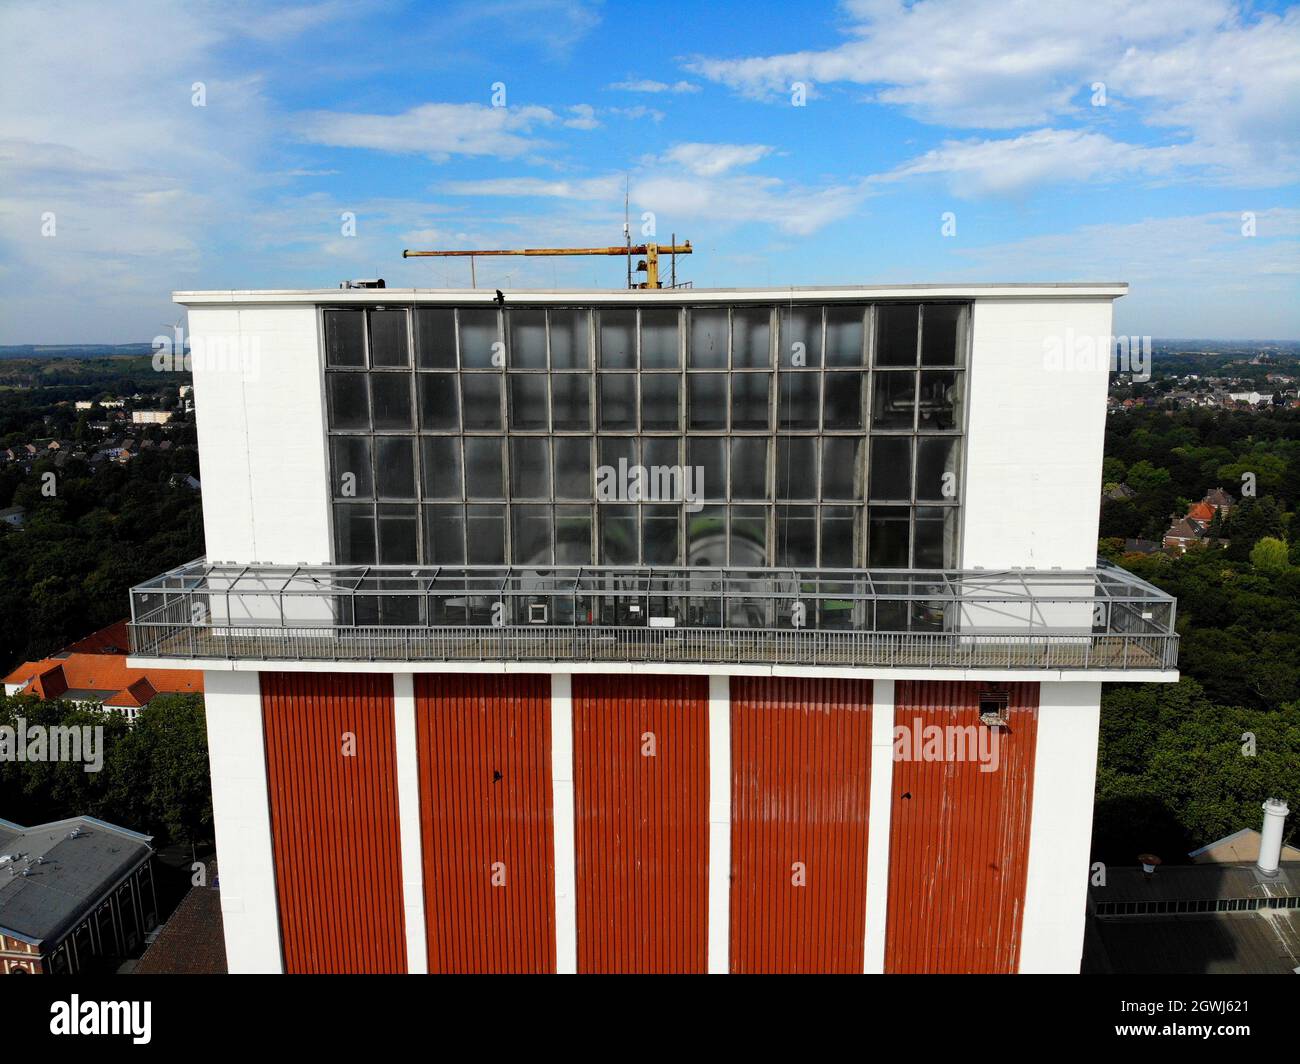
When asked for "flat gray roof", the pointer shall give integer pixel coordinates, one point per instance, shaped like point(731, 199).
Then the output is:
point(64, 877)
point(1047, 291)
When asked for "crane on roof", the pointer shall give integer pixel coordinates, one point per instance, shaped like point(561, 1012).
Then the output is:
point(649, 264)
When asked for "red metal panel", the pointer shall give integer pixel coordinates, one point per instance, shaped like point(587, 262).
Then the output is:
point(801, 789)
point(642, 822)
point(486, 822)
point(959, 836)
point(334, 821)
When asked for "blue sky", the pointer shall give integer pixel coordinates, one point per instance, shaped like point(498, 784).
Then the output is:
point(981, 109)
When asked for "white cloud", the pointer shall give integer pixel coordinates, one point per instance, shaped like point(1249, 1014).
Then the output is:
point(708, 160)
point(649, 85)
point(438, 130)
point(1217, 72)
point(706, 192)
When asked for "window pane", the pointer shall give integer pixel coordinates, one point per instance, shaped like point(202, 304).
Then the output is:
point(748, 536)
point(796, 535)
point(483, 469)
point(435, 336)
point(845, 336)
point(395, 467)
point(940, 406)
point(891, 468)
point(896, 332)
point(617, 339)
point(618, 537)
point(887, 542)
point(936, 467)
point(801, 337)
point(571, 401)
point(617, 401)
point(444, 535)
point(659, 347)
point(751, 335)
point(354, 534)
point(843, 408)
point(662, 533)
point(480, 332)
point(345, 338)
point(530, 468)
point(573, 535)
point(388, 340)
point(706, 536)
point(440, 467)
point(749, 467)
point(796, 467)
point(936, 537)
point(941, 339)
point(610, 482)
point(398, 534)
point(749, 400)
point(350, 467)
point(439, 405)
point(569, 347)
point(485, 535)
point(842, 467)
point(893, 400)
point(527, 337)
point(482, 400)
point(800, 395)
point(349, 406)
point(530, 531)
point(708, 339)
point(659, 451)
point(707, 400)
point(708, 454)
point(390, 399)
point(573, 467)
point(527, 401)
point(659, 401)
point(839, 536)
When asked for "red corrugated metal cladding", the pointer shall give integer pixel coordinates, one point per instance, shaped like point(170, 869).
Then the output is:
point(959, 831)
point(486, 821)
point(641, 799)
point(332, 779)
point(801, 787)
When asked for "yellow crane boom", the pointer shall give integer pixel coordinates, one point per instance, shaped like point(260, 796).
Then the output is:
point(650, 264)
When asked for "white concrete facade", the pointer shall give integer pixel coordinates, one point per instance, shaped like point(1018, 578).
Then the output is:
point(241, 812)
point(408, 810)
point(1060, 828)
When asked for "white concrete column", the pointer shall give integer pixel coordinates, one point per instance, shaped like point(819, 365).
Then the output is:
point(719, 825)
point(566, 910)
point(882, 804)
point(241, 814)
point(408, 810)
point(1060, 831)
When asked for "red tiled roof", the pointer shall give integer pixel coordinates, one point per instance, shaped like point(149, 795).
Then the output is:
point(1201, 511)
point(98, 663)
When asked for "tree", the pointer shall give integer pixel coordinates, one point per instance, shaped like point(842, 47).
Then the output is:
point(1269, 555)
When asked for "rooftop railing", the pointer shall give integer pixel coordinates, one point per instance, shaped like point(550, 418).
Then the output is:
point(1021, 618)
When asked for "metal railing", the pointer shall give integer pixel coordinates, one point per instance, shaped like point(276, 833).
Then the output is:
point(1029, 619)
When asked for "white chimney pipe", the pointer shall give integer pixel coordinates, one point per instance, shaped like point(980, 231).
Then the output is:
point(1270, 836)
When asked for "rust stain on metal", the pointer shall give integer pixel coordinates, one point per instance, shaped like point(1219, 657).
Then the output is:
point(334, 821)
point(486, 822)
point(641, 798)
point(801, 788)
point(959, 833)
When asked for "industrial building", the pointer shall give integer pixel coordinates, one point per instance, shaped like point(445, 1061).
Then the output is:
point(681, 630)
